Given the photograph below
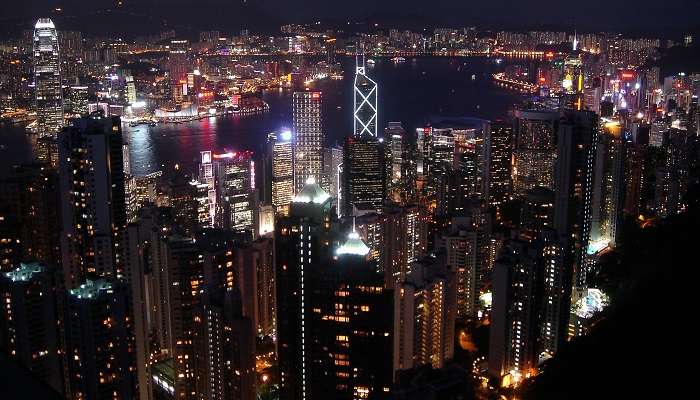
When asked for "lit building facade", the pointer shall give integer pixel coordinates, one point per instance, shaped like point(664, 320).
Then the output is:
point(425, 310)
point(364, 174)
point(497, 172)
point(282, 171)
point(235, 188)
point(535, 149)
point(93, 204)
point(29, 321)
point(303, 245)
point(99, 344)
point(308, 139)
point(47, 79)
point(576, 151)
point(365, 103)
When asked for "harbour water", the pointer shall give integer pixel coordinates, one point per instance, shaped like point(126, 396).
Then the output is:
point(410, 92)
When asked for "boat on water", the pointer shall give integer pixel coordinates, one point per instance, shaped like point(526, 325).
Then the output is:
point(398, 59)
point(371, 61)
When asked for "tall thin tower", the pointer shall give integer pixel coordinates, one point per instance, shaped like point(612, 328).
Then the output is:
point(308, 139)
point(365, 101)
point(47, 79)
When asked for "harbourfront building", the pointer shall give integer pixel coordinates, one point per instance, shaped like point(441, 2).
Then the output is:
point(47, 79)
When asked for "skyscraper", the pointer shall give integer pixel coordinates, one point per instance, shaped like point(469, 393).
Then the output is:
point(467, 248)
point(365, 103)
point(30, 193)
point(333, 170)
point(29, 321)
point(183, 283)
point(535, 149)
point(303, 246)
point(608, 187)
point(497, 172)
point(576, 151)
point(93, 208)
point(99, 345)
point(224, 343)
point(424, 315)
point(514, 332)
point(353, 332)
point(235, 189)
point(364, 174)
point(47, 79)
point(308, 139)
point(280, 152)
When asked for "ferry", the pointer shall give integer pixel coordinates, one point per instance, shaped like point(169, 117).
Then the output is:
point(398, 59)
point(371, 62)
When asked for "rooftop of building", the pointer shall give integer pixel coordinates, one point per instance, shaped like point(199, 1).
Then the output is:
point(353, 246)
point(92, 289)
point(312, 193)
point(25, 272)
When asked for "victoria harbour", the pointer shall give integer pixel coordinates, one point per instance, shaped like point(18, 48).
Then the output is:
point(411, 93)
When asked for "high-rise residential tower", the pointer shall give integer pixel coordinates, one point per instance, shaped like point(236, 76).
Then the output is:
point(29, 321)
point(535, 149)
point(93, 209)
point(99, 344)
point(576, 151)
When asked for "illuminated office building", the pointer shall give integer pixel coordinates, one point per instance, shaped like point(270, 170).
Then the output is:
point(308, 139)
point(99, 344)
point(78, 100)
point(365, 103)
point(207, 178)
point(535, 149)
point(401, 165)
point(363, 181)
point(235, 189)
point(281, 153)
point(93, 204)
point(573, 82)
point(29, 321)
point(47, 79)
point(333, 171)
point(436, 152)
point(394, 136)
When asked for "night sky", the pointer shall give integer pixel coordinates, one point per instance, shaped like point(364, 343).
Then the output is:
point(639, 16)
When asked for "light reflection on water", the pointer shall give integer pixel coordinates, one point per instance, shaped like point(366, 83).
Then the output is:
point(408, 92)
